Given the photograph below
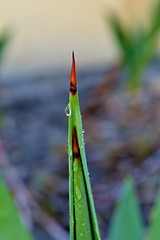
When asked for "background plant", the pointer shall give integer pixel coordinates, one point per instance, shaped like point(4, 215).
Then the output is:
point(127, 220)
point(11, 225)
point(137, 46)
point(4, 40)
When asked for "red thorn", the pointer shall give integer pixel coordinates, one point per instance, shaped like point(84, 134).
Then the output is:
point(76, 152)
point(73, 81)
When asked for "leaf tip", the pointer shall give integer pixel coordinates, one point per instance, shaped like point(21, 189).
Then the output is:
point(73, 80)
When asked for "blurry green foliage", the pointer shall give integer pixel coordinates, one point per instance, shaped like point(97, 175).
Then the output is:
point(126, 222)
point(154, 231)
point(11, 226)
point(4, 39)
point(137, 47)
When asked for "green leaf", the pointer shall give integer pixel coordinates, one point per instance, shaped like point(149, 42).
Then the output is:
point(83, 220)
point(126, 222)
point(123, 37)
point(11, 226)
point(4, 39)
point(137, 46)
point(154, 231)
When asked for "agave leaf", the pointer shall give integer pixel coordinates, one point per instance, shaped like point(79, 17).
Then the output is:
point(83, 221)
point(154, 230)
point(11, 226)
point(137, 47)
point(126, 222)
point(123, 38)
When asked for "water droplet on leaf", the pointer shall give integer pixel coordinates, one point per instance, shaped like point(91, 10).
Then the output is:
point(68, 110)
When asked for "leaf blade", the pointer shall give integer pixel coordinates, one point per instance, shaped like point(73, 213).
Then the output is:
point(10, 223)
point(75, 122)
point(154, 230)
point(126, 222)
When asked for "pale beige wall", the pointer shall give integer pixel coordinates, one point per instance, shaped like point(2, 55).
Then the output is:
point(46, 31)
point(130, 11)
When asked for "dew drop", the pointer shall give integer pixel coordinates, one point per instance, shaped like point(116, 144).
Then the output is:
point(83, 131)
point(82, 146)
point(68, 110)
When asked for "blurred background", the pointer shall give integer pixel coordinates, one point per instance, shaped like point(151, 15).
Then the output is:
point(117, 47)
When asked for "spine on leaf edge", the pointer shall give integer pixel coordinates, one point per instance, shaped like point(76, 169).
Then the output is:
point(73, 80)
point(75, 146)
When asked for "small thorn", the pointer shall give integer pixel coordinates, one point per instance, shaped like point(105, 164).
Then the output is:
point(73, 81)
point(76, 152)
